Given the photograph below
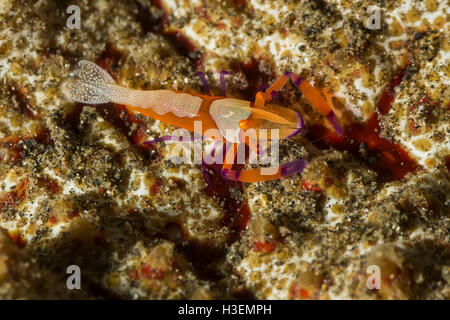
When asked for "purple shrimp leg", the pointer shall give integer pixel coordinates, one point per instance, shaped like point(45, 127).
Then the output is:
point(263, 87)
point(223, 85)
point(293, 167)
point(332, 118)
point(275, 96)
point(202, 77)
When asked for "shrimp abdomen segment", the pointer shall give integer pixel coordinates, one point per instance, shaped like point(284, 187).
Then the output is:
point(162, 101)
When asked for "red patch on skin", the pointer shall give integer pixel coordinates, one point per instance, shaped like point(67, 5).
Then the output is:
point(388, 94)
point(293, 291)
point(15, 144)
point(13, 198)
point(240, 3)
point(156, 186)
point(139, 136)
point(236, 21)
point(304, 293)
point(236, 213)
point(44, 137)
point(221, 26)
point(53, 219)
point(53, 186)
point(311, 186)
point(413, 128)
point(264, 246)
point(329, 182)
point(151, 273)
point(7, 201)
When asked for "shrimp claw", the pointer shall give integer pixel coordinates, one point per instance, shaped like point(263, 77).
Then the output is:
point(311, 94)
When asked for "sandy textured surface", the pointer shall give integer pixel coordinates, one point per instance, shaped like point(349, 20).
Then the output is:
point(79, 187)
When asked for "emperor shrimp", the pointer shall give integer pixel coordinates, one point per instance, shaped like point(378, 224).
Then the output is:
point(231, 117)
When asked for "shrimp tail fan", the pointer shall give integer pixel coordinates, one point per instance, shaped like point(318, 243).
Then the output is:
point(89, 84)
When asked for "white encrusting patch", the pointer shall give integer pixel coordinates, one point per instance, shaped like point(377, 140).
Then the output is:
point(410, 141)
point(332, 217)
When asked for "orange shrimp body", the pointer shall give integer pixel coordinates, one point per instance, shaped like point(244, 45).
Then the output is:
point(222, 118)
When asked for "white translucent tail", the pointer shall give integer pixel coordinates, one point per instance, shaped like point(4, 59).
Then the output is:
point(90, 84)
